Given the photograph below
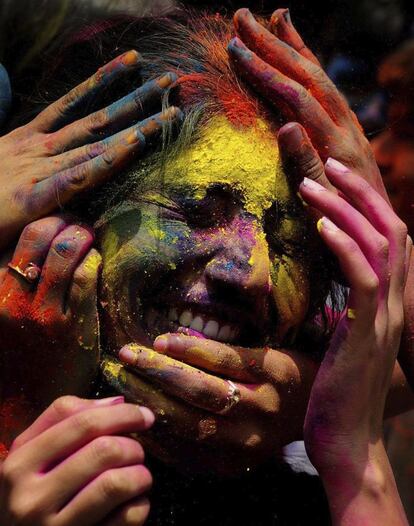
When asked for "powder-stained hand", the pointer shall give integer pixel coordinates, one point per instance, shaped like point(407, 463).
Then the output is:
point(53, 158)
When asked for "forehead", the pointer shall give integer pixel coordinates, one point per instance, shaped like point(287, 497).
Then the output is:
point(246, 159)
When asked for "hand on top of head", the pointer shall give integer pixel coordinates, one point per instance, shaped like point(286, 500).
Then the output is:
point(285, 72)
point(56, 156)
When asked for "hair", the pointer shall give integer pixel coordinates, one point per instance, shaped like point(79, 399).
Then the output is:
point(194, 46)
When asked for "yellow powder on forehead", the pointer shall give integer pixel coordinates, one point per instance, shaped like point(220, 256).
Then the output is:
point(245, 158)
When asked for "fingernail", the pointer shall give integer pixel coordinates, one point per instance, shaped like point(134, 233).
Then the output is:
point(292, 137)
point(148, 416)
point(336, 166)
point(161, 343)
point(130, 58)
point(236, 42)
point(312, 185)
point(325, 223)
point(113, 400)
point(135, 137)
point(166, 80)
point(127, 355)
point(286, 16)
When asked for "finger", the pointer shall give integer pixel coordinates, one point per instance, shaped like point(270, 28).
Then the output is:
point(281, 25)
point(379, 213)
point(60, 409)
point(67, 250)
point(299, 157)
point(146, 130)
point(373, 244)
point(181, 380)
point(100, 124)
point(32, 248)
point(81, 468)
point(133, 513)
point(236, 363)
point(82, 297)
point(74, 432)
point(64, 109)
point(178, 421)
point(106, 158)
point(362, 278)
point(281, 56)
point(108, 491)
point(290, 97)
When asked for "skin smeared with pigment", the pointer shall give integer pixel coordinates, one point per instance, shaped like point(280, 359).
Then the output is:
point(148, 245)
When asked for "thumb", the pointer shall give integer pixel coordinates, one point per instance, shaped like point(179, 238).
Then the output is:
point(299, 157)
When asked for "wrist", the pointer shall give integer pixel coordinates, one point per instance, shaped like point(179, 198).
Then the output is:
point(361, 488)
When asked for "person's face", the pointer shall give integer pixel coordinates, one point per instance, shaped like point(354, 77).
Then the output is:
point(394, 153)
point(212, 246)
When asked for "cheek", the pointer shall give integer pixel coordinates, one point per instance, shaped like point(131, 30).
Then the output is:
point(290, 289)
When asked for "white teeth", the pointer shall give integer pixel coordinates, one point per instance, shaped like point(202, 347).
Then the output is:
point(173, 315)
point(211, 329)
point(224, 333)
point(197, 324)
point(186, 318)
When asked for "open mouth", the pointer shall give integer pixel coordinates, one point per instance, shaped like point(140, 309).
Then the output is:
point(190, 321)
point(204, 321)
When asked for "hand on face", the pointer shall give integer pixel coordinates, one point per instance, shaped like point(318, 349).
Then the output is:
point(74, 465)
point(185, 380)
point(289, 76)
point(49, 319)
point(55, 157)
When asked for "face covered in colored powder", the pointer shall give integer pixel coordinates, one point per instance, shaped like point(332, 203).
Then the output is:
point(213, 245)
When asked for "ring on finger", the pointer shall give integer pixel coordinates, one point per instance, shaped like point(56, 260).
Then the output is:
point(31, 273)
point(233, 398)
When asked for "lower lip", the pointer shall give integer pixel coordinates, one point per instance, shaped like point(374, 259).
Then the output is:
point(191, 332)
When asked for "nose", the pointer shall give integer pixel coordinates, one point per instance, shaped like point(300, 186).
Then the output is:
point(240, 261)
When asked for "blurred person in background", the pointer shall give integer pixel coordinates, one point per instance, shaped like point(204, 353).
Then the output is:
point(394, 151)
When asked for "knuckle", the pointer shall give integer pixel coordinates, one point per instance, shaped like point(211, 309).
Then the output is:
point(311, 165)
point(86, 422)
point(65, 406)
point(69, 101)
point(382, 248)
point(108, 158)
point(98, 121)
point(400, 230)
point(95, 149)
point(106, 450)
point(10, 469)
point(114, 483)
point(33, 232)
point(81, 278)
point(371, 285)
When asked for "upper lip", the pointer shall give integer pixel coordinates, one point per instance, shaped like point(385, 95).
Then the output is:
point(254, 328)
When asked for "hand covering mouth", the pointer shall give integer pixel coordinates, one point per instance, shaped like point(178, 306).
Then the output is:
point(215, 322)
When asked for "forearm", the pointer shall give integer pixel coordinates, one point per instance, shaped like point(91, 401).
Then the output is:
point(364, 493)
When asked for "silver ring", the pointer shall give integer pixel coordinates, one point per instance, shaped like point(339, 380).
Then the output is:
point(233, 398)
